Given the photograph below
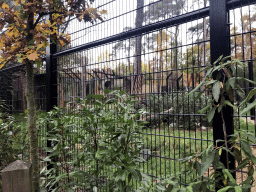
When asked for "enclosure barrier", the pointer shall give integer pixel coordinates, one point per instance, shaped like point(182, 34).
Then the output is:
point(155, 49)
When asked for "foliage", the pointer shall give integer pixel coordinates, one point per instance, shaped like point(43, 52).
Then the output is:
point(198, 165)
point(10, 140)
point(16, 21)
point(221, 79)
point(28, 28)
point(107, 136)
point(173, 106)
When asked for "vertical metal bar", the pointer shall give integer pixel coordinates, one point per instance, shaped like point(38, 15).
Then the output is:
point(251, 86)
point(51, 85)
point(51, 77)
point(220, 45)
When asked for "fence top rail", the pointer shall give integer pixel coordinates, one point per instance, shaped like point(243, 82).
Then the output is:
point(180, 19)
point(184, 18)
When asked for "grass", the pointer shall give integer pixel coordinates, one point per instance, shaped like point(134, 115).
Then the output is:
point(169, 145)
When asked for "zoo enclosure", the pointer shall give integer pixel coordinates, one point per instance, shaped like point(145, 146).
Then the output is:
point(152, 49)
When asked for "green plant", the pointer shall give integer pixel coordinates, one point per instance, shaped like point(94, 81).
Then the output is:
point(221, 79)
point(197, 164)
point(170, 108)
point(105, 135)
point(10, 138)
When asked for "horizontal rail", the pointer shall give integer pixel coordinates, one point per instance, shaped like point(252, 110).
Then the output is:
point(201, 13)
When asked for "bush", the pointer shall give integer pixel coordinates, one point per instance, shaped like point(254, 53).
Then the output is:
point(9, 138)
point(102, 135)
point(177, 109)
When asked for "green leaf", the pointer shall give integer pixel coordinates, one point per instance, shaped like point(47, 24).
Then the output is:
point(249, 96)
point(136, 174)
point(189, 189)
point(228, 174)
point(225, 58)
point(207, 161)
point(227, 102)
point(239, 90)
point(246, 147)
point(238, 155)
point(195, 89)
point(216, 91)
point(243, 163)
point(121, 175)
point(224, 189)
point(232, 82)
point(211, 113)
point(205, 109)
point(238, 189)
point(68, 189)
point(245, 79)
point(160, 187)
point(218, 60)
point(197, 167)
point(249, 107)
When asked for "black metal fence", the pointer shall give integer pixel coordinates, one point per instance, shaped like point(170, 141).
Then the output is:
point(153, 49)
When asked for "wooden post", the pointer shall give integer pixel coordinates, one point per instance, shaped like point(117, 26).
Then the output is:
point(17, 177)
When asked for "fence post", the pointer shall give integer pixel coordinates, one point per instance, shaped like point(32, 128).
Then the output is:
point(51, 86)
point(220, 45)
point(17, 177)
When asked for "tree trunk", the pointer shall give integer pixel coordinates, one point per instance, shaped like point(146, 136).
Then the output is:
point(160, 63)
point(32, 129)
point(175, 59)
point(137, 78)
point(31, 108)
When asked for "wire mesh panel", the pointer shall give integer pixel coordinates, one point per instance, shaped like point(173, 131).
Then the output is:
point(155, 50)
point(158, 65)
point(13, 101)
point(242, 42)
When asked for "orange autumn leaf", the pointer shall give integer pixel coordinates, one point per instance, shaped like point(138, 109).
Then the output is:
point(33, 56)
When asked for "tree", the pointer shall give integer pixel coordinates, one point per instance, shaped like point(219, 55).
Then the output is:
point(161, 10)
point(136, 83)
point(193, 61)
point(244, 46)
point(24, 40)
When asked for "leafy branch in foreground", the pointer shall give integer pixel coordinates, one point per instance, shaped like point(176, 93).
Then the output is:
point(221, 80)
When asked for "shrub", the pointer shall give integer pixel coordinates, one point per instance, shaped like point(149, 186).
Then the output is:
point(177, 109)
point(9, 138)
point(102, 135)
